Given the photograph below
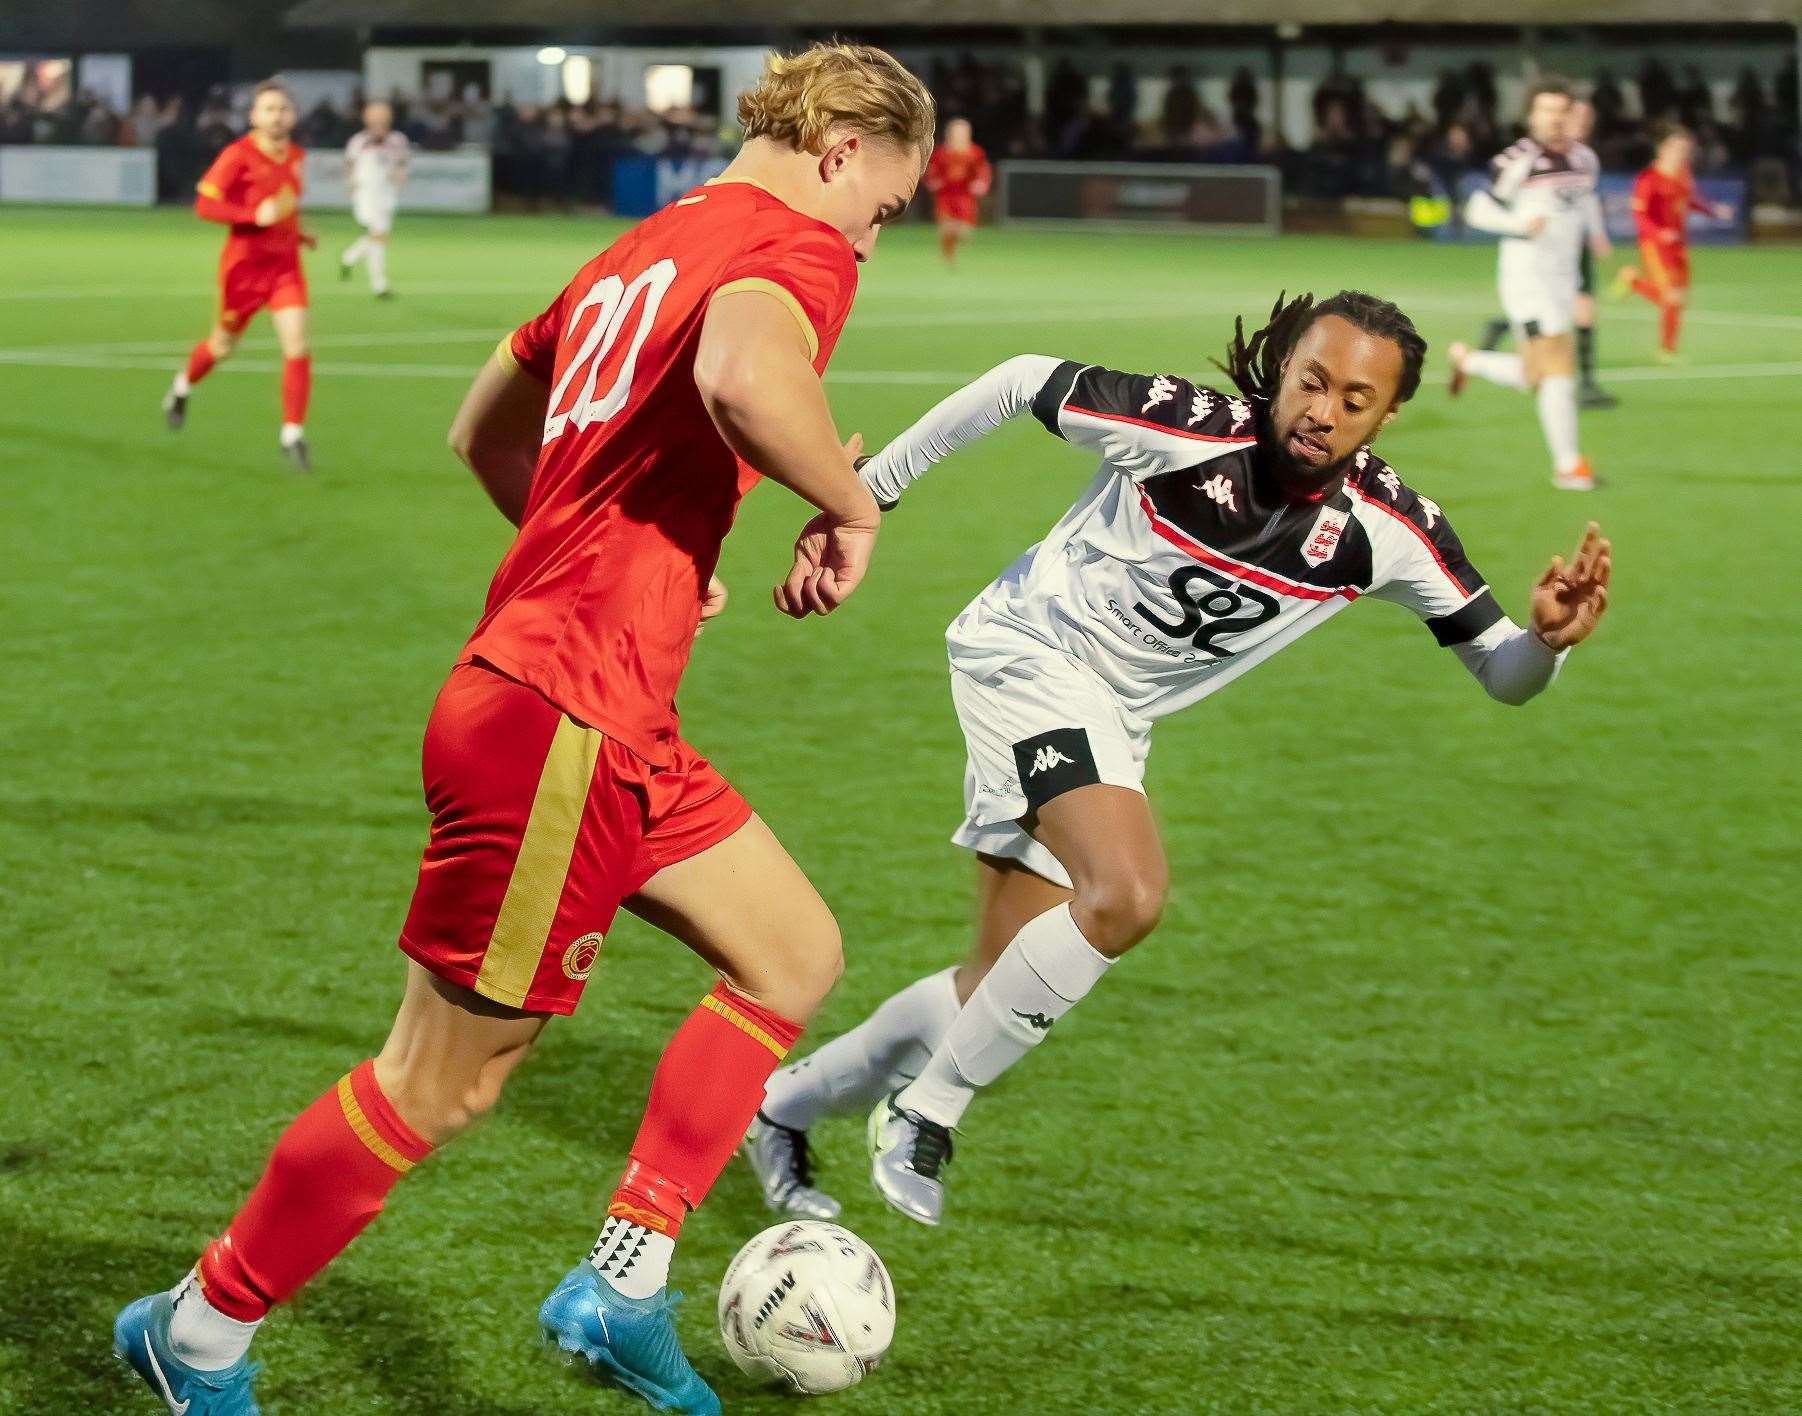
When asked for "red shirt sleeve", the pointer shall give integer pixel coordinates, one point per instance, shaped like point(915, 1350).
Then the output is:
point(985, 175)
point(533, 346)
point(935, 170)
point(214, 202)
point(809, 268)
point(1645, 203)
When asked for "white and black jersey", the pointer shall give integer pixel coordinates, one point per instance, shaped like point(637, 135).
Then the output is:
point(1183, 564)
point(1531, 184)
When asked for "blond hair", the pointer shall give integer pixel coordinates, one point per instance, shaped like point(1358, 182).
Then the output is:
point(800, 98)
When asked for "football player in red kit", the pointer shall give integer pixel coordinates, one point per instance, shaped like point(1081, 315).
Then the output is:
point(958, 178)
point(619, 430)
point(254, 187)
point(1663, 197)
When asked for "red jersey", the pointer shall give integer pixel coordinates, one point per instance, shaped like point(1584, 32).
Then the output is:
point(241, 178)
point(597, 602)
point(962, 173)
point(1661, 205)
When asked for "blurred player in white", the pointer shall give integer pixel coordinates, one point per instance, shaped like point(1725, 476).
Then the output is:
point(375, 165)
point(1219, 528)
point(1542, 202)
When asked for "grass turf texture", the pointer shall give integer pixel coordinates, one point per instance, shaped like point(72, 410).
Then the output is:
point(1460, 1075)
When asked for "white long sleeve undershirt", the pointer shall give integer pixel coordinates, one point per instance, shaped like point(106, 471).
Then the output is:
point(974, 411)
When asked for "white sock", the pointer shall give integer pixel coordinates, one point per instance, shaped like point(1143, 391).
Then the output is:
point(202, 1336)
point(378, 266)
point(355, 251)
point(635, 1260)
point(1557, 399)
point(1039, 977)
point(886, 1049)
point(181, 388)
point(292, 433)
point(1497, 367)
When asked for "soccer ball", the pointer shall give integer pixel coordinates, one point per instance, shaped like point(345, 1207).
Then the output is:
point(807, 1303)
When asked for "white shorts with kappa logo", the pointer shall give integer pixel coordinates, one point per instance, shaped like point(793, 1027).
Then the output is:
point(1036, 725)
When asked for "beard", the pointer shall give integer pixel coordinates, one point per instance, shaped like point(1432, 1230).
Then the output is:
point(1290, 472)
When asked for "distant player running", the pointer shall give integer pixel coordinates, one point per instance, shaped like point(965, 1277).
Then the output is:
point(1542, 202)
point(1219, 528)
point(1590, 393)
point(375, 165)
point(958, 177)
point(1663, 197)
point(254, 188)
point(619, 430)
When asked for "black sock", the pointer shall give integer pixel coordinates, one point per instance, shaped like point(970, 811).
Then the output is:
point(1586, 353)
point(1493, 333)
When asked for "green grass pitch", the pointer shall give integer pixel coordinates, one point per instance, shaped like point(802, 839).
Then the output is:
point(1462, 1075)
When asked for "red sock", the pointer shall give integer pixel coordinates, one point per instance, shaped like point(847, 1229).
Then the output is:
point(708, 1085)
point(200, 362)
point(326, 1179)
point(1671, 317)
point(948, 244)
point(297, 383)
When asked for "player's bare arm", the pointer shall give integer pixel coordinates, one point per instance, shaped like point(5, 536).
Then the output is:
point(498, 430)
point(756, 377)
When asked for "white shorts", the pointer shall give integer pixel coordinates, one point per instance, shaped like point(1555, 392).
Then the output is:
point(1538, 307)
point(1037, 726)
point(373, 214)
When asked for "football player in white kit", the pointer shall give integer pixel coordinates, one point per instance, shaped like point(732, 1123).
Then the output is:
point(375, 165)
point(1219, 527)
point(1542, 202)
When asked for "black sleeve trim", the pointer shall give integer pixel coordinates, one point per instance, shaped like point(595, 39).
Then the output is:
point(1467, 622)
point(1049, 401)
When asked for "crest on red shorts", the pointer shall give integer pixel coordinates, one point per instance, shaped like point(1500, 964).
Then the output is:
point(578, 959)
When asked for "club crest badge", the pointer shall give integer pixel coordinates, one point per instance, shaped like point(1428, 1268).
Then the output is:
point(1323, 540)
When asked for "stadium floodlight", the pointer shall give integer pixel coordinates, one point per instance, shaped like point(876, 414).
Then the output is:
point(552, 55)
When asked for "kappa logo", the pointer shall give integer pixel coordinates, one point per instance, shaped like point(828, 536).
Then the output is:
point(1390, 483)
point(1038, 1022)
point(1163, 390)
point(1219, 490)
point(1362, 460)
point(1047, 758)
point(1241, 412)
point(1431, 509)
point(1323, 540)
point(578, 959)
point(1201, 407)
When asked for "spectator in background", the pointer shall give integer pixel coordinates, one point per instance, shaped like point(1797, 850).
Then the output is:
point(1696, 101)
point(1181, 112)
point(1243, 99)
point(1657, 92)
point(1123, 98)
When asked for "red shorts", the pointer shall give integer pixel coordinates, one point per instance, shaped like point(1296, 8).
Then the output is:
point(247, 286)
point(955, 206)
point(540, 828)
point(1667, 267)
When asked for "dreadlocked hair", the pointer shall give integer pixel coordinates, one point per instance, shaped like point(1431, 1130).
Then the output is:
point(1255, 364)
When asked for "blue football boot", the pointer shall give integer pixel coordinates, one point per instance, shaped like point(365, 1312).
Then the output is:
point(141, 1337)
point(630, 1342)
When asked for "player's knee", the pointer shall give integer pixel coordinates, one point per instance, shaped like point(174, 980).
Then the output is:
point(439, 1101)
point(814, 962)
point(220, 344)
point(1117, 911)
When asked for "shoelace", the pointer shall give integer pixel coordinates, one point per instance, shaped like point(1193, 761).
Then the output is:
point(932, 1146)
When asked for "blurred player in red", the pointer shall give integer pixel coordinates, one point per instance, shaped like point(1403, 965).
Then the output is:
point(958, 178)
point(618, 430)
point(1663, 197)
point(254, 188)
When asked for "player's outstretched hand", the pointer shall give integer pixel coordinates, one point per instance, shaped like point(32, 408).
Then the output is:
point(1569, 599)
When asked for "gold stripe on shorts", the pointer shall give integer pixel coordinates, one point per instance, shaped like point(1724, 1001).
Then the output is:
point(366, 1132)
point(529, 907)
point(715, 1004)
